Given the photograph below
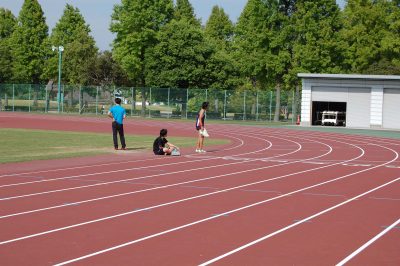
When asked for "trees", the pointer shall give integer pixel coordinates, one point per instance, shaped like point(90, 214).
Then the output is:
point(184, 10)
point(371, 35)
point(317, 46)
point(28, 48)
point(251, 42)
point(105, 71)
point(7, 24)
point(73, 33)
point(136, 23)
point(179, 60)
point(222, 66)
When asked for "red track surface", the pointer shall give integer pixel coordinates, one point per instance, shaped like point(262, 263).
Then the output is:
point(270, 197)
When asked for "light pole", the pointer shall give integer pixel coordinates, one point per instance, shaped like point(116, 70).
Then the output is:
point(60, 49)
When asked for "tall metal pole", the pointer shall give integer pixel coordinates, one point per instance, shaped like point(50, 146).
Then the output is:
point(59, 79)
point(225, 106)
point(59, 49)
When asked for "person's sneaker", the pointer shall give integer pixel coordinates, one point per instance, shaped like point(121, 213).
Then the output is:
point(124, 149)
point(197, 150)
point(116, 149)
point(202, 151)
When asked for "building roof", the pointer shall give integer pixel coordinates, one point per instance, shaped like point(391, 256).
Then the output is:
point(348, 76)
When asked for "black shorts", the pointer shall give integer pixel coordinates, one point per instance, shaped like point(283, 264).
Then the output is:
point(159, 152)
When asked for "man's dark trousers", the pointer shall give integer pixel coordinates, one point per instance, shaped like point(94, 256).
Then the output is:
point(120, 129)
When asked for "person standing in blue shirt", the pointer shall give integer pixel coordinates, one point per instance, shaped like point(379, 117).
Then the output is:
point(118, 114)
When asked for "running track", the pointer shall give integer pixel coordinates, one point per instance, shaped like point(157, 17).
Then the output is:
point(270, 197)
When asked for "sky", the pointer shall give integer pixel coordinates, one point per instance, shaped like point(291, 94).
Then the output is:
point(97, 13)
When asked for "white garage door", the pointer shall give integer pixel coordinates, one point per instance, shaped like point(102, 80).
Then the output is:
point(358, 107)
point(329, 94)
point(391, 107)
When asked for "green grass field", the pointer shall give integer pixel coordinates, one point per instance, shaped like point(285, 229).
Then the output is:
point(18, 145)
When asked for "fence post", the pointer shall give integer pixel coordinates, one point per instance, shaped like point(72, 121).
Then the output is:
point(13, 96)
point(225, 105)
point(244, 105)
point(62, 98)
point(29, 98)
point(97, 99)
point(293, 113)
point(187, 101)
point(80, 99)
point(149, 103)
point(257, 106)
point(270, 106)
point(133, 101)
point(168, 96)
point(45, 98)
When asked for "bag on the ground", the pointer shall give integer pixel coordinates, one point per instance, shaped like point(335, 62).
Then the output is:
point(204, 133)
point(175, 152)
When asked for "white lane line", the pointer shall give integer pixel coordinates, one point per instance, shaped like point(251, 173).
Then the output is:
point(352, 164)
point(163, 174)
point(166, 186)
point(360, 249)
point(241, 143)
point(376, 198)
point(117, 181)
point(161, 205)
point(392, 166)
point(137, 168)
point(225, 214)
point(324, 195)
point(292, 225)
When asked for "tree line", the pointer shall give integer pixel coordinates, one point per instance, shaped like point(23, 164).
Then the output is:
point(161, 43)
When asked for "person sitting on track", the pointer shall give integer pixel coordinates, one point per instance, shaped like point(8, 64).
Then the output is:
point(161, 146)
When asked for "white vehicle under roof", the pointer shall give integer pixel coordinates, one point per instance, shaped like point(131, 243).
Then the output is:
point(333, 118)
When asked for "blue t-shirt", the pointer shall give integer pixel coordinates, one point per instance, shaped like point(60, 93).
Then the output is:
point(118, 113)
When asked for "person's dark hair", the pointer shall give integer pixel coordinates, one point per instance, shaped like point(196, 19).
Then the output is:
point(204, 105)
point(163, 132)
point(117, 100)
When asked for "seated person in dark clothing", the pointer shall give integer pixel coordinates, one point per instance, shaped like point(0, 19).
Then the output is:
point(161, 146)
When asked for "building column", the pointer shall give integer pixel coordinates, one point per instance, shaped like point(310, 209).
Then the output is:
point(376, 110)
point(305, 103)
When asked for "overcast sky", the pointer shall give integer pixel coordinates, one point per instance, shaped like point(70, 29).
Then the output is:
point(97, 13)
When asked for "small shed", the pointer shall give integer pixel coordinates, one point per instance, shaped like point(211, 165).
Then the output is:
point(368, 101)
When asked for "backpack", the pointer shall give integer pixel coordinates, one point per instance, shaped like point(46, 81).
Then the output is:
point(175, 152)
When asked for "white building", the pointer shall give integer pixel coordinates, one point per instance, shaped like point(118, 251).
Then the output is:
point(369, 101)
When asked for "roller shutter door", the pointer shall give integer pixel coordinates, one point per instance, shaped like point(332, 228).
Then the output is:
point(391, 108)
point(358, 107)
point(329, 94)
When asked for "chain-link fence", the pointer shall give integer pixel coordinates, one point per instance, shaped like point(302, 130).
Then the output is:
point(152, 102)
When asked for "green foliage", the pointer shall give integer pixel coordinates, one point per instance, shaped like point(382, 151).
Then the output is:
point(105, 71)
point(73, 33)
point(180, 57)
point(136, 23)
point(252, 40)
point(317, 46)
point(7, 24)
point(28, 43)
point(222, 66)
point(184, 10)
point(371, 31)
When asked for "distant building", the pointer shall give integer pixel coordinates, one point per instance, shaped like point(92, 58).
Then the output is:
point(368, 101)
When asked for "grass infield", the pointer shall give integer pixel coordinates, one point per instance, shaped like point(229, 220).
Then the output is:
point(19, 145)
